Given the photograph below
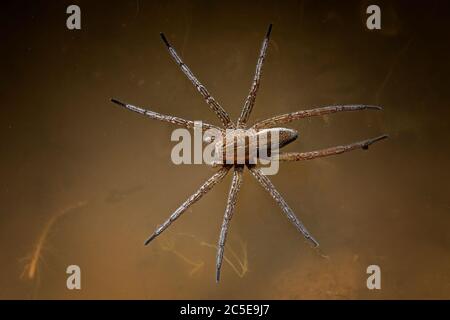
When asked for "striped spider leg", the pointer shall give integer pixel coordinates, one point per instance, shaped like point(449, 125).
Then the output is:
point(188, 124)
point(232, 198)
point(268, 185)
point(250, 100)
point(204, 189)
point(309, 155)
point(214, 105)
point(292, 116)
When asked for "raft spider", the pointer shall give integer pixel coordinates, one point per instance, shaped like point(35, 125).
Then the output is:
point(286, 136)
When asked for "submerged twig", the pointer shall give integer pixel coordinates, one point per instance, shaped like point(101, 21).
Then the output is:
point(30, 269)
point(238, 265)
point(170, 246)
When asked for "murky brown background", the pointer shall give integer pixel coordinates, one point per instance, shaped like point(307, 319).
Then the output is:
point(63, 142)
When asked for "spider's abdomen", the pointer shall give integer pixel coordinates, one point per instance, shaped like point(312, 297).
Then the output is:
point(241, 146)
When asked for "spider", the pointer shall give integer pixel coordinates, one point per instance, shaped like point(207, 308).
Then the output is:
point(270, 124)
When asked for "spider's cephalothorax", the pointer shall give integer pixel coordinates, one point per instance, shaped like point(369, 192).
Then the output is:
point(239, 130)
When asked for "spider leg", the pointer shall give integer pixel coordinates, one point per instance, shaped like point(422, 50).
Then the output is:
point(204, 189)
point(232, 197)
point(267, 184)
point(289, 117)
point(299, 156)
point(162, 117)
point(250, 100)
point(215, 106)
